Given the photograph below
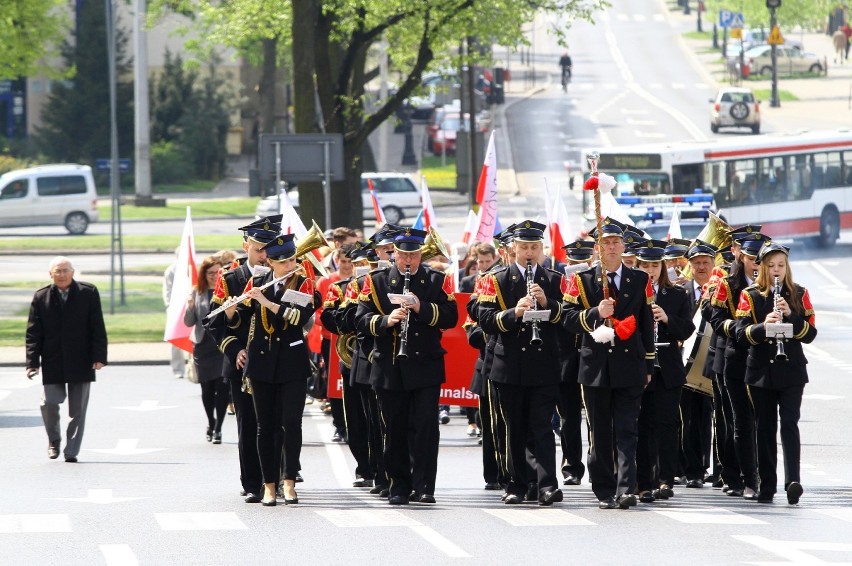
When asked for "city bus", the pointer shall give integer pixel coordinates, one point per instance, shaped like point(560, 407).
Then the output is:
point(797, 185)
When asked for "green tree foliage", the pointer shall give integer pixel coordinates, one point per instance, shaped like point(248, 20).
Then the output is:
point(76, 118)
point(31, 31)
point(190, 117)
point(810, 15)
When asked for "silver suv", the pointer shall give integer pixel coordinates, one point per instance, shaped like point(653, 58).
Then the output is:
point(735, 107)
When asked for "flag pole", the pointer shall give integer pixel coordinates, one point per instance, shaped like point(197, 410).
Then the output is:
point(592, 183)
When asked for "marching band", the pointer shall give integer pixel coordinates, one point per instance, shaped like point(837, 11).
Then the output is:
point(661, 345)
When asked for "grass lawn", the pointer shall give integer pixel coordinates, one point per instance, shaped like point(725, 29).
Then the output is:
point(438, 176)
point(195, 186)
point(236, 208)
point(204, 243)
point(765, 95)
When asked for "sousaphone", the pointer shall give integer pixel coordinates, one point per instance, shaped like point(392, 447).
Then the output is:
point(433, 246)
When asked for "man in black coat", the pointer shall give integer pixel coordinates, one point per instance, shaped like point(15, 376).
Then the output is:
point(616, 363)
point(524, 369)
point(66, 339)
point(233, 335)
point(408, 387)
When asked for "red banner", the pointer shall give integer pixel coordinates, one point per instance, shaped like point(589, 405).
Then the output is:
point(459, 363)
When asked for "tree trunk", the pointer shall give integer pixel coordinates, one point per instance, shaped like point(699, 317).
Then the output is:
point(266, 88)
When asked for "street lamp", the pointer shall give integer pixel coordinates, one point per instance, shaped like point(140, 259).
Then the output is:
point(773, 22)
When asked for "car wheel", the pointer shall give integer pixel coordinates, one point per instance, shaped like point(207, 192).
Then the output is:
point(829, 228)
point(714, 128)
point(76, 223)
point(739, 111)
point(766, 71)
point(815, 68)
point(393, 214)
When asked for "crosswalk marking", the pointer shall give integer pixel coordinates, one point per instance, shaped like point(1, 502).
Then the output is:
point(842, 513)
point(367, 518)
point(213, 521)
point(35, 523)
point(539, 517)
point(792, 551)
point(118, 555)
point(709, 516)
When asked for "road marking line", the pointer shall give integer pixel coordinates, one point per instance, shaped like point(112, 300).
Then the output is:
point(4, 394)
point(791, 551)
point(148, 405)
point(100, 496)
point(709, 516)
point(339, 465)
point(844, 514)
point(347, 518)
point(125, 447)
point(118, 555)
point(440, 541)
point(213, 521)
point(538, 518)
point(35, 523)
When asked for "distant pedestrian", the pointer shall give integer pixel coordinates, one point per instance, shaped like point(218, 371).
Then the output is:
point(178, 361)
point(66, 339)
point(840, 43)
point(847, 31)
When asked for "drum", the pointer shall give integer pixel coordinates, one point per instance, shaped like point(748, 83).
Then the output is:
point(695, 350)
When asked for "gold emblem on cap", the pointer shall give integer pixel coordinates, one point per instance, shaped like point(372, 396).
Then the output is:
point(280, 241)
point(527, 224)
point(650, 244)
point(578, 245)
point(408, 231)
point(266, 225)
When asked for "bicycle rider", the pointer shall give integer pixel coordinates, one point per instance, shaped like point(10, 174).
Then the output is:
point(565, 63)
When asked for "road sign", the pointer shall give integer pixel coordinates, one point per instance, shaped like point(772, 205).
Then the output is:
point(105, 165)
point(775, 37)
point(736, 33)
point(729, 19)
point(302, 156)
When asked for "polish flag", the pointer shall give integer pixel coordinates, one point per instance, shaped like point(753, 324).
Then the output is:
point(560, 229)
point(469, 226)
point(674, 227)
point(428, 212)
point(486, 195)
point(186, 276)
point(380, 214)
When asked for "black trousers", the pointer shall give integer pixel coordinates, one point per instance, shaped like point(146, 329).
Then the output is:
point(279, 406)
point(356, 427)
point(215, 396)
point(744, 438)
point(490, 457)
point(658, 448)
point(770, 405)
point(411, 438)
point(375, 433)
point(724, 435)
point(570, 406)
point(613, 430)
point(527, 411)
point(696, 413)
point(250, 475)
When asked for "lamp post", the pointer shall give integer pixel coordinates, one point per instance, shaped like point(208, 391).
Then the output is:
point(773, 22)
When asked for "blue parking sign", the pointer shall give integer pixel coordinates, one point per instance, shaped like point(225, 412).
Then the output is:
point(725, 18)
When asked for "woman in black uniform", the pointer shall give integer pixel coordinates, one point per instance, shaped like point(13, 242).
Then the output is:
point(278, 366)
point(659, 418)
point(776, 371)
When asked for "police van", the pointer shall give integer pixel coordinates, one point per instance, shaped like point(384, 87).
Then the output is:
point(47, 195)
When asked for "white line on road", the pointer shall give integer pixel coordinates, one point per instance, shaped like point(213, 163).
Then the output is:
point(791, 551)
point(99, 497)
point(539, 518)
point(118, 555)
point(844, 514)
point(125, 447)
point(709, 516)
point(213, 521)
point(149, 405)
point(35, 523)
point(440, 541)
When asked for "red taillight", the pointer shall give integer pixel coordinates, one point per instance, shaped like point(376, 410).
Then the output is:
point(717, 107)
point(756, 107)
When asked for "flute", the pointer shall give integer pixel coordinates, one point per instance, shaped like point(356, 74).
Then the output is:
point(237, 300)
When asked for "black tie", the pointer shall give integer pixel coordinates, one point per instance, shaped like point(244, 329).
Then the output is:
point(613, 289)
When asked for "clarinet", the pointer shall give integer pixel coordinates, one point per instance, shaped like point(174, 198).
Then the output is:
point(656, 332)
point(536, 338)
point(780, 354)
point(403, 326)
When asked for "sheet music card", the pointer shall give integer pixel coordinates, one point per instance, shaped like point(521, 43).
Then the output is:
point(542, 315)
point(400, 299)
point(297, 298)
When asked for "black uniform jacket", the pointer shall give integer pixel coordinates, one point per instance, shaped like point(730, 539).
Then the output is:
point(680, 326)
point(424, 366)
point(722, 316)
point(714, 352)
point(346, 322)
point(65, 339)
point(515, 360)
point(277, 349)
point(763, 369)
point(622, 363)
point(332, 316)
point(231, 335)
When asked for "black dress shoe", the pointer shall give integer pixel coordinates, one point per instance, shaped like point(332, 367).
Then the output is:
point(53, 450)
point(385, 492)
point(532, 492)
point(293, 501)
point(398, 500)
point(664, 492)
point(299, 478)
point(733, 492)
point(550, 497)
point(765, 497)
point(571, 480)
point(252, 498)
point(377, 489)
point(73, 460)
point(513, 499)
point(794, 492)
point(493, 486)
point(426, 498)
point(270, 503)
point(626, 501)
point(217, 438)
point(719, 482)
point(695, 484)
point(209, 434)
point(362, 482)
point(608, 503)
point(646, 497)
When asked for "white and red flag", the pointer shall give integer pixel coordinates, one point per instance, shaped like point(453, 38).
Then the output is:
point(186, 276)
point(560, 230)
point(428, 210)
point(486, 195)
point(377, 209)
point(674, 227)
point(469, 226)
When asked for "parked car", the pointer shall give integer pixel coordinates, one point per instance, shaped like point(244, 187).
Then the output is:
point(397, 193)
point(437, 89)
point(753, 38)
point(789, 59)
point(689, 229)
point(48, 195)
point(436, 118)
point(735, 107)
point(445, 136)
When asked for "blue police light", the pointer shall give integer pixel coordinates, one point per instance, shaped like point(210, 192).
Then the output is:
point(628, 201)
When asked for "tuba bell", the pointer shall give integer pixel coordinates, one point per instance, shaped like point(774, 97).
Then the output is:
point(345, 346)
point(717, 233)
point(433, 246)
point(312, 240)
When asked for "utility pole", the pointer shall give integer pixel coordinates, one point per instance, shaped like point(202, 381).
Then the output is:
point(140, 99)
point(774, 102)
point(116, 247)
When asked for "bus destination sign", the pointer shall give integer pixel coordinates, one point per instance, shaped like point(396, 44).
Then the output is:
point(616, 161)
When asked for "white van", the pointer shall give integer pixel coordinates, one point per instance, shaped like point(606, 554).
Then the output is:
point(48, 195)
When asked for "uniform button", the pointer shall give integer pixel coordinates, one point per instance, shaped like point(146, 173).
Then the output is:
point(523, 349)
point(539, 349)
point(278, 339)
point(416, 353)
point(262, 352)
point(417, 334)
point(771, 361)
point(610, 350)
point(626, 350)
